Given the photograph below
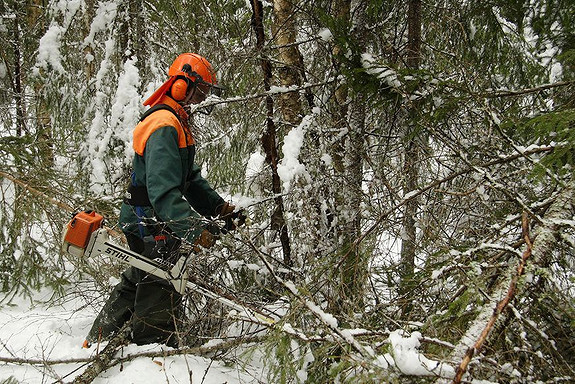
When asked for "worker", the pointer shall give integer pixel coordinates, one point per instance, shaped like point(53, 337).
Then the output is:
point(164, 204)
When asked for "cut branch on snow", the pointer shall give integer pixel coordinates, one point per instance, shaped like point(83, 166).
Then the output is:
point(101, 361)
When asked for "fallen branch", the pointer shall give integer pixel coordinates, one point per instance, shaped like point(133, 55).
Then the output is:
point(197, 351)
point(500, 307)
point(101, 362)
point(23, 361)
point(541, 250)
point(328, 320)
point(106, 360)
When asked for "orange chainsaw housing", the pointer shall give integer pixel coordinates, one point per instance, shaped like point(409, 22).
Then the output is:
point(81, 227)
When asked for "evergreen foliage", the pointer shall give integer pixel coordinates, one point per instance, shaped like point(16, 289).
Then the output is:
point(488, 114)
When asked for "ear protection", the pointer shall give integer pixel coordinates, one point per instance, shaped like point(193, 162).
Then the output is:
point(181, 86)
point(179, 89)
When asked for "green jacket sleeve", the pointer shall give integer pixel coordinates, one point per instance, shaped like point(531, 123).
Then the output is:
point(164, 182)
point(201, 195)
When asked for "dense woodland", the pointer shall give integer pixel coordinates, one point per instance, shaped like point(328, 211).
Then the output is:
point(407, 168)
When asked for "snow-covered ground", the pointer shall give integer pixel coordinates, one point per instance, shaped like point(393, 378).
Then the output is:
point(41, 342)
point(36, 331)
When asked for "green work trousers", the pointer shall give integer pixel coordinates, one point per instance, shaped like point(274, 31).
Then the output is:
point(151, 304)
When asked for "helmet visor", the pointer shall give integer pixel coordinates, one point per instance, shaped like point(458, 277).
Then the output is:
point(204, 92)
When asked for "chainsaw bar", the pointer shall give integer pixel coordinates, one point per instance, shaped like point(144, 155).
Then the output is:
point(85, 236)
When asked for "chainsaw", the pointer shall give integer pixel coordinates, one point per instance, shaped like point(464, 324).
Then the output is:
point(86, 236)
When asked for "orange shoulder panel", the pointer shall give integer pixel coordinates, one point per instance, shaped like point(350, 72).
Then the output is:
point(157, 120)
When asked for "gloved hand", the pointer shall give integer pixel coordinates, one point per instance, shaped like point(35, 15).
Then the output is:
point(232, 219)
point(206, 240)
point(208, 237)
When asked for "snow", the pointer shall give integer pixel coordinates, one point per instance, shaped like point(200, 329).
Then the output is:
point(170, 369)
point(105, 14)
point(235, 264)
point(255, 165)
point(326, 159)
point(68, 9)
point(127, 107)
point(326, 35)
point(290, 166)
point(34, 330)
point(382, 72)
point(472, 30)
point(437, 273)
point(411, 194)
point(113, 120)
point(46, 332)
point(307, 360)
point(408, 359)
point(274, 89)
point(49, 50)
point(327, 318)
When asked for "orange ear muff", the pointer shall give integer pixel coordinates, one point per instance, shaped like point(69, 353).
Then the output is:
point(179, 89)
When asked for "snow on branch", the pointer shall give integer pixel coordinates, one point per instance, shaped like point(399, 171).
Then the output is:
point(404, 354)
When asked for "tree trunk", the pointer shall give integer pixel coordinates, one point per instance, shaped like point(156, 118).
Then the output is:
point(411, 159)
point(132, 38)
point(269, 141)
point(354, 264)
point(342, 10)
point(289, 70)
point(90, 65)
point(138, 36)
point(18, 74)
point(348, 158)
point(36, 23)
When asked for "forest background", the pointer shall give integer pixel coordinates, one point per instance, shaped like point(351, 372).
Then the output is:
point(407, 168)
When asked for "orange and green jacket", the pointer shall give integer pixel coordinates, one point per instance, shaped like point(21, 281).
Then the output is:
point(164, 163)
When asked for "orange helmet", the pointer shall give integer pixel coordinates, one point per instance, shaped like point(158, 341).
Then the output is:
point(194, 67)
point(191, 66)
